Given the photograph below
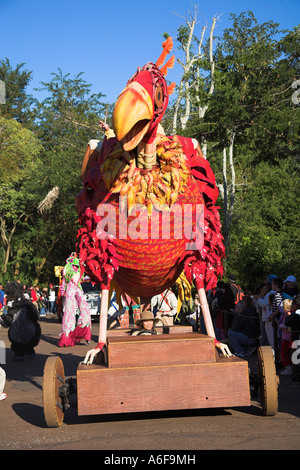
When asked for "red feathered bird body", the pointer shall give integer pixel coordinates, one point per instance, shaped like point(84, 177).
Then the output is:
point(147, 207)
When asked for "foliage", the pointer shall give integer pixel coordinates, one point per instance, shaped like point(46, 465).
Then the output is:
point(17, 101)
point(33, 163)
point(18, 149)
point(42, 145)
point(255, 67)
point(265, 236)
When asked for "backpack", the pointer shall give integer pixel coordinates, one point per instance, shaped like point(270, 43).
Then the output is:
point(239, 293)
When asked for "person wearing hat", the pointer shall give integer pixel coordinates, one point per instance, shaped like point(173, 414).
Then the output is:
point(270, 279)
point(290, 287)
point(264, 297)
point(146, 324)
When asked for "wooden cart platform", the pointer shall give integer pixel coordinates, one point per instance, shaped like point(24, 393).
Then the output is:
point(161, 372)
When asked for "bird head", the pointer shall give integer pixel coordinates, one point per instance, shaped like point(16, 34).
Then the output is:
point(141, 105)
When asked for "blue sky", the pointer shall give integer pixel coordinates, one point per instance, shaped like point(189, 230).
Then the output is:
point(108, 40)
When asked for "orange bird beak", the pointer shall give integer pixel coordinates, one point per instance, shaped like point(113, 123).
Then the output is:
point(132, 115)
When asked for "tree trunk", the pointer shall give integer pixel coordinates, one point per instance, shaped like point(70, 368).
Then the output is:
point(228, 189)
point(6, 242)
point(40, 267)
point(225, 190)
point(187, 83)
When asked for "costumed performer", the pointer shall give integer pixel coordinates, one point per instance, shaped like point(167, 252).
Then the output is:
point(73, 332)
point(22, 320)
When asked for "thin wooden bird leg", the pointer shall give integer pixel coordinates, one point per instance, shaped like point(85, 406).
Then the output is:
point(208, 323)
point(89, 358)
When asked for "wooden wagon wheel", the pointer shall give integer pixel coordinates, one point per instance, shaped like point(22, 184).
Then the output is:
point(53, 379)
point(268, 381)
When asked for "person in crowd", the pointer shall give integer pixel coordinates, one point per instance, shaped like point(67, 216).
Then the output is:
point(51, 299)
point(277, 285)
point(195, 318)
point(292, 318)
point(232, 283)
point(243, 334)
point(2, 294)
point(130, 308)
point(24, 331)
point(26, 292)
point(268, 325)
point(34, 297)
point(235, 288)
point(216, 312)
point(113, 309)
point(146, 324)
point(217, 295)
point(42, 303)
point(263, 303)
point(165, 307)
point(226, 306)
point(286, 337)
point(187, 309)
point(259, 293)
point(290, 288)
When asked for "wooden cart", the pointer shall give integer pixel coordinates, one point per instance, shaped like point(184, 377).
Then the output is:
point(175, 370)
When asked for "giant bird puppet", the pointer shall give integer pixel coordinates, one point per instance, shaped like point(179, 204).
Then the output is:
point(138, 171)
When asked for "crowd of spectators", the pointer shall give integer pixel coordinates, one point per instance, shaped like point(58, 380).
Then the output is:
point(245, 320)
point(44, 299)
point(269, 316)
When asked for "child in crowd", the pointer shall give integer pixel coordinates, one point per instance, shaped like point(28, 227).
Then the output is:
point(285, 339)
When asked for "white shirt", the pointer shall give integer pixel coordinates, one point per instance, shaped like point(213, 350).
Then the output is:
point(263, 303)
point(52, 295)
point(166, 303)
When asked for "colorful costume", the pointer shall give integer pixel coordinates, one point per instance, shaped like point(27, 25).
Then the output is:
point(22, 320)
point(72, 331)
point(142, 177)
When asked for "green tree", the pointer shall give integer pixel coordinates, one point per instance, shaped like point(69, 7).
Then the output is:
point(250, 121)
point(17, 101)
point(66, 120)
point(33, 163)
point(265, 237)
point(19, 157)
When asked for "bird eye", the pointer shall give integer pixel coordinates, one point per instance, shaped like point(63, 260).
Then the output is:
point(159, 96)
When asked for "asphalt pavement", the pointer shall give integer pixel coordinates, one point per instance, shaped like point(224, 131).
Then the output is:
point(23, 427)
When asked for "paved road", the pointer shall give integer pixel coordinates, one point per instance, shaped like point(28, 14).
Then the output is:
point(22, 425)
